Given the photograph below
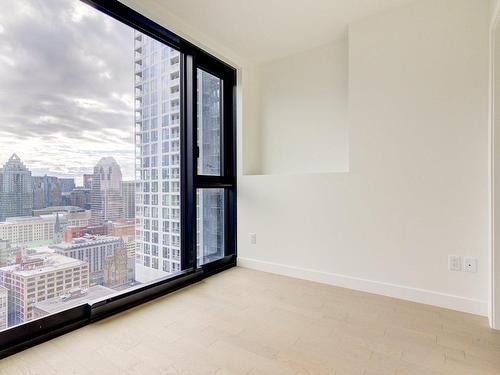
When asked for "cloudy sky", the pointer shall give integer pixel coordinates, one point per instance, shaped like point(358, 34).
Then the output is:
point(66, 87)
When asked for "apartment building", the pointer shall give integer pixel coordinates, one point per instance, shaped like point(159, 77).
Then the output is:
point(96, 250)
point(128, 196)
point(157, 111)
point(4, 308)
point(23, 230)
point(16, 191)
point(39, 277)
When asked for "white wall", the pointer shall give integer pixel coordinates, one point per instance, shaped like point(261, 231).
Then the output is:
point(303, 112)
point(417, 186)
point(417, 189)
point(495, 256)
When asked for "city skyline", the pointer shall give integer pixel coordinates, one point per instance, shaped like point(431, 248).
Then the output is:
point(88, 112)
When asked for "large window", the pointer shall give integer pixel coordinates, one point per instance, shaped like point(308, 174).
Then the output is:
point(117, 181)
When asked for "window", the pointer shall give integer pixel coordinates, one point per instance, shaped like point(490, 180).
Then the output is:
point(149, 143)
point(209, 124)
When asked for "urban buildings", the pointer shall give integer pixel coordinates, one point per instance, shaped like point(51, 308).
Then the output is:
point(100, 252)
point(106, 201)
point(39, 277)
point(46, 192)
point(67, 184)
point(87, 181)
point(128, 196)
point(16, 191)
point(23, 230)
point(4, 308)
point(5, 251)
point(26, 229)
point(80, 197)
point(157, 111)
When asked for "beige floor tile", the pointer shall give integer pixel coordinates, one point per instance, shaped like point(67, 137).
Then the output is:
point(245, 322)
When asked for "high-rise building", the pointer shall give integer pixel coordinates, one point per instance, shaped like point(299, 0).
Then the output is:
point(106, 201)
point(80, 197)
point(16, 190)
point(38, 277)
point(87, 181)
point(95, 250)
point(67, 184)
point(46, 192)
point(4, 308)
point(128, 196)
point(157, 108)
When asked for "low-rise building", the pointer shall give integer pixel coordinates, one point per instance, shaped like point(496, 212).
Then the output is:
point(4, 308)
point(95, 250)
point(71, 299)
point(39, 277)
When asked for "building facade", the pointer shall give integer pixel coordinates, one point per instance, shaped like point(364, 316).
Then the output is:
point(4, 308)
point(106, 201)
point(157, 114)
point(39, 277)
point(128, 196)
point(80, 197)
point(16, 190)
point(23, 230)
point(46, 192)
point(94, 250)
point(67, 184)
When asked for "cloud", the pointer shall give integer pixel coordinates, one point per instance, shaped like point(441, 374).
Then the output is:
point(66, 86)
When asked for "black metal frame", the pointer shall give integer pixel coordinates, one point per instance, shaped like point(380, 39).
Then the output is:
point(31, 333)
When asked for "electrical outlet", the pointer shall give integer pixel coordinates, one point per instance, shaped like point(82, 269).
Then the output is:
point(470, 264)
point(455, 262)
point(253, 238)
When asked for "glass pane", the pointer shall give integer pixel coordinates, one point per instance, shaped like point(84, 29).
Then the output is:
point(210, 225)
point(209, 124)
point(89, 158)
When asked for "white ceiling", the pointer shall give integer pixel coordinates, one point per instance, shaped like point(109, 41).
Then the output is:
point(259, 30)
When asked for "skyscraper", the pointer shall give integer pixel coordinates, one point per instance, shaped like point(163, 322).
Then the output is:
point(157, 108)
point(128, 196)
point(67, 184)
point(46, 192)
point(16, 191)
point(106, 201)
point(87, 181)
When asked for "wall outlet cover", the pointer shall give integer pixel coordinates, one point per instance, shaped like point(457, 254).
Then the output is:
point(455, 262)
point(253, 238)
point(470, 264)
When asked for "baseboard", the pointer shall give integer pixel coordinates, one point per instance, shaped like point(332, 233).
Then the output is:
point(427, 297)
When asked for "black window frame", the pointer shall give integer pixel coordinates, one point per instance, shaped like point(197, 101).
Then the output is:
point(28, 334)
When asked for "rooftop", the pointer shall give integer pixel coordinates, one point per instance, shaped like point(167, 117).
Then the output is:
point(85, 241)
point(54, 209)
point(40, 263)
point(59, 303)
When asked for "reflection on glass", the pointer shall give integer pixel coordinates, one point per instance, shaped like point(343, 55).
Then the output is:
point(209, 124)
point(87, 210)
point(210, 225)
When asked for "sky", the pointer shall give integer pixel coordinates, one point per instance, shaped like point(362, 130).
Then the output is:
point(66, 87)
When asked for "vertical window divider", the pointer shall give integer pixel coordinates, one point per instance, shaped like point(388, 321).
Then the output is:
point(189, 163)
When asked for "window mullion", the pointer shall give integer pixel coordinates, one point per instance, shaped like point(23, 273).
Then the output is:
point(189, 165)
